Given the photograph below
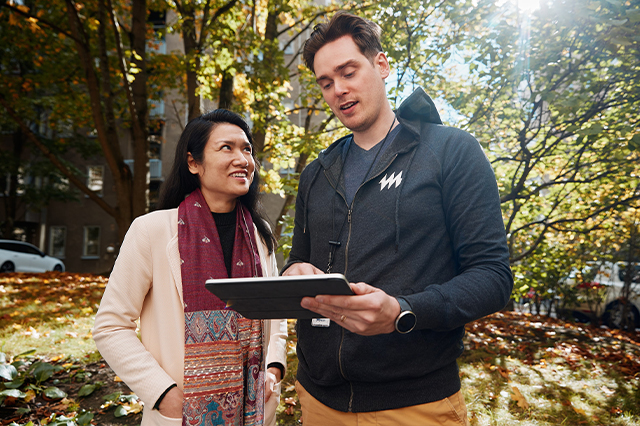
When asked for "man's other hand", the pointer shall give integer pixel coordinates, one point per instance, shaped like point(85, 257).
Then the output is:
point(302, 268)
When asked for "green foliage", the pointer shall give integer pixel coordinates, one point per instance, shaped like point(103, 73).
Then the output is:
point(53, 392)
point(125, 404)
point(42, 371)
point(87, 389)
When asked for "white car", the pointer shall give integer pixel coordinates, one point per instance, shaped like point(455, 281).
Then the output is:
point(612, 276)
point(18, 256)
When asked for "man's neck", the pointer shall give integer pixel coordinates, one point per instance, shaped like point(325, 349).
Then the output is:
point(378, 131)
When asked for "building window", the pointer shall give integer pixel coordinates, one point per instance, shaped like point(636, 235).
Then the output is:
point(95, 178)
point(57, 241)
point(91, 244)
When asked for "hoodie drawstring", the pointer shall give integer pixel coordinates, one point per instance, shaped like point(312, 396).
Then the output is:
point(306, 198)
point(398, 193)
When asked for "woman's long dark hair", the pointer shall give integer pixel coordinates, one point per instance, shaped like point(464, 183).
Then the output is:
point(181, 182)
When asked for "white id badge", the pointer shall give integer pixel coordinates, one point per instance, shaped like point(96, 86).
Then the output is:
point(320, 322)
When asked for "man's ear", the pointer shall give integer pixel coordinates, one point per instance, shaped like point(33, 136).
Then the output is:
point(193, 166)
point(382, 63)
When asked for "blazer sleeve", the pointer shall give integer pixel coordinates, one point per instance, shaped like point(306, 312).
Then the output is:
point(115, 325)
point(277, 339)
point(277, 350)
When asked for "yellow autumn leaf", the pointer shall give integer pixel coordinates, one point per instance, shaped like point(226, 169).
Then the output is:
point(135, 407)
point(30, 394)
point(117, 379)
point(517, 396)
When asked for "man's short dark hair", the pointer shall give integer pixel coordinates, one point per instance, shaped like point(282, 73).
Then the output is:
point(365, 34)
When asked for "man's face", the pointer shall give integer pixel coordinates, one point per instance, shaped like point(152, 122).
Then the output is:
point(352, 85)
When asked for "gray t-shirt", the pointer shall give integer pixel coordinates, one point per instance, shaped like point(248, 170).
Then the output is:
point(359, 162)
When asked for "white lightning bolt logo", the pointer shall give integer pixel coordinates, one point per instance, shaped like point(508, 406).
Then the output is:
point(392, 179)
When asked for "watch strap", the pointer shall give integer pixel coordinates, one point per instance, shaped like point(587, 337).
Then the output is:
point(406, 320)
point(404, 305)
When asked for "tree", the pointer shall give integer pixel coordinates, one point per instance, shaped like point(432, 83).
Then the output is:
point(552, 98)
point(104, 73)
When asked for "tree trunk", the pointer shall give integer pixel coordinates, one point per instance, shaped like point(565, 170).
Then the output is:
point(226, 91)
point(140, 129)
point(270, 35)
point(107, 137)
point(191, 52)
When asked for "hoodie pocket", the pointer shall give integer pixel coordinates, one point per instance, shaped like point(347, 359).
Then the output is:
point(318, 352)
point(398, 356)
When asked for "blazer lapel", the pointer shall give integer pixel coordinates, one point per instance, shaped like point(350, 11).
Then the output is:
point(175, 264)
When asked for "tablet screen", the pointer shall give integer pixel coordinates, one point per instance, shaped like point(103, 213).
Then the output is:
point(276, 297)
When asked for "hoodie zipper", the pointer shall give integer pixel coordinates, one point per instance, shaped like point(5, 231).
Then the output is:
point(350, 209)
point(349, 409)
point(346, 265)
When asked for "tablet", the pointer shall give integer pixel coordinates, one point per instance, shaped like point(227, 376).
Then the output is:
point(276, 297)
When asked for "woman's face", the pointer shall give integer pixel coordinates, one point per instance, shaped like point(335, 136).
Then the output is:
point(227, 167)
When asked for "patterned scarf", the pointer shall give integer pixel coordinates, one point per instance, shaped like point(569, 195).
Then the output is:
point(223, 372)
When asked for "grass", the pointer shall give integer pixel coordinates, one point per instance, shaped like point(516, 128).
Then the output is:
point(518, 369)
point(52, 313)
point(537, 371)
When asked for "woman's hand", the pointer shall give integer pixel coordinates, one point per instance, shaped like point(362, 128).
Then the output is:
point(171, 404)
point(271, 378)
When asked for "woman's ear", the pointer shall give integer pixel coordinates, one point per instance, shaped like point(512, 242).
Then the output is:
point(193, 166)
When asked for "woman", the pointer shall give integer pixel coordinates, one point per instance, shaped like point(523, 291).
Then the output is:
point(196, 361)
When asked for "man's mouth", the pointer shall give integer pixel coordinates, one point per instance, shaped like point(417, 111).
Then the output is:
point(347, 105)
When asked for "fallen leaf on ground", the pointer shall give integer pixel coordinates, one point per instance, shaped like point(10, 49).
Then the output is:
point(607, 391)
point(517, 396)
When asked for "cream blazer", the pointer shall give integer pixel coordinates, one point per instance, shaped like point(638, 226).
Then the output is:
point(146, 284)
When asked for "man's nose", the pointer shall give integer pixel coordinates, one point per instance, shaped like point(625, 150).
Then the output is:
point(340, 88)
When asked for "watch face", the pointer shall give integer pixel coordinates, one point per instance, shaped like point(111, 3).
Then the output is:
point(406, 321)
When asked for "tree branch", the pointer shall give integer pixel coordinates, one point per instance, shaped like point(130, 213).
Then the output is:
point(40, 20)
point(56, 162)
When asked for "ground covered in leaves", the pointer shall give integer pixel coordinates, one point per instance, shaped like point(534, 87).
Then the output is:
point(517, 369)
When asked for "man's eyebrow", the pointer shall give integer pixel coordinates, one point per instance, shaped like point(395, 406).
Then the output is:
point(350, 62)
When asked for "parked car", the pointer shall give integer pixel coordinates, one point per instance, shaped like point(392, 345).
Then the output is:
point(612, 276)
point(18, 256)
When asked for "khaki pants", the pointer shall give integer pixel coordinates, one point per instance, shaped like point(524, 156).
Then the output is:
point(450, 411)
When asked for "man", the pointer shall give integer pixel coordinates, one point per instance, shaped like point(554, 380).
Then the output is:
point(408, 210)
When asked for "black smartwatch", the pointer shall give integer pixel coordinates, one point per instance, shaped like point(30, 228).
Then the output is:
point(406, 321)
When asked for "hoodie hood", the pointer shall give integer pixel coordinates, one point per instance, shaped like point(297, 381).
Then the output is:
point(416, 110)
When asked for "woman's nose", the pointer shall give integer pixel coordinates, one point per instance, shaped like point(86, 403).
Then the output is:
point(240, 159)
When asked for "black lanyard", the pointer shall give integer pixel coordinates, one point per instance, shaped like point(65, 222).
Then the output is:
point(334, 243)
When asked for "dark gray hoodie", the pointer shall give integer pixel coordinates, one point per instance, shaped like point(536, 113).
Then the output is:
point(426, 225)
